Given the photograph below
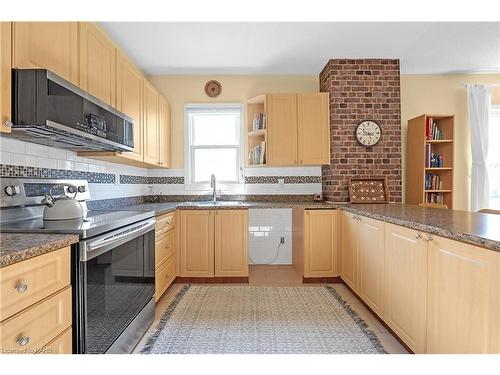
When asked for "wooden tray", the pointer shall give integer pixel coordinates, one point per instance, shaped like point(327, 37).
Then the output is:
point(368, 190)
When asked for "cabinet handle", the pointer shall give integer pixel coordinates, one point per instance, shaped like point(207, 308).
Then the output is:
point(429, 238)
point(418, 236)
point(23, 341)
point(21, 288)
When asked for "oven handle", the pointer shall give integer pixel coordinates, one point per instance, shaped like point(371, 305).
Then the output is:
point(96, 247)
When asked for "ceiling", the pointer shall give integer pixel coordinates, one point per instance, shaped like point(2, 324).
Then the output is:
point(304, 48)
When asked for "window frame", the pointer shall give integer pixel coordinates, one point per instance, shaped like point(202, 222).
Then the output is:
point(189, 148)
point(494, 111)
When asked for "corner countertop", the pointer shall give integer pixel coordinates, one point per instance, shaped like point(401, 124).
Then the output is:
point(470, 227)
point(16, 247)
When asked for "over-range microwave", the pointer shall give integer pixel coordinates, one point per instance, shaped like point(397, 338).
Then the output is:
point(49, 110)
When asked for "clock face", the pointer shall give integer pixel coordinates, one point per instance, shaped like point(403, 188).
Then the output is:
point(368, 133)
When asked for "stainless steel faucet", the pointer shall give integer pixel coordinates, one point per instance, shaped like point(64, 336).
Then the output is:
point(213, 186)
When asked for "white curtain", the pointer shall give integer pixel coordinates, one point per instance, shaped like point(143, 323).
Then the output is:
point(479, 104)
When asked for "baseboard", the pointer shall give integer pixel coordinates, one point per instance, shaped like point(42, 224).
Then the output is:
point(318, 280)
point(378, 318)
point(211, 280)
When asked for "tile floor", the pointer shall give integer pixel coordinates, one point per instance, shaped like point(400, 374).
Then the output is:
point(286, 276)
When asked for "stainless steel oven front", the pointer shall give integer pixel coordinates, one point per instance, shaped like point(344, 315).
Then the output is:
point(114, 296)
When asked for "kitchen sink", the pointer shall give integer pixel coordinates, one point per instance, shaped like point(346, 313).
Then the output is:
point(214, 204)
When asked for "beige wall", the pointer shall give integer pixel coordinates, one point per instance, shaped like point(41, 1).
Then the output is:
point(444, 94)
point(179, 90)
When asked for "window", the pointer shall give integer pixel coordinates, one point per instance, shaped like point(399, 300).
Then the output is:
point(493, 162)
point(213, 144)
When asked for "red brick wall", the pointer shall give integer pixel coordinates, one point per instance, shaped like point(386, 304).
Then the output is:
point(362, 89)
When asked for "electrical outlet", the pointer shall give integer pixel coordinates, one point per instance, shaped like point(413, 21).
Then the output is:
point(282, 240)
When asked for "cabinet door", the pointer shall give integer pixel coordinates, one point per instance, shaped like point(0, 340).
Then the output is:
point(5, 75)
point(349, 249)
point(313, 121)
point(281, 112)
point(231, 243)
point(405, 285)
point(164, 131)
point(463, 305)
point(151, 133)
point(97, 63)
point(197, 243)
point(320, 243)
point(129, 100)
point(371, 262)
point(47, 45)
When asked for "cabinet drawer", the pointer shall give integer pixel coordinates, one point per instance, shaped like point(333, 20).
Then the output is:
point(62, 344)
point(164, 247)
point(165, 275)
point(38, 325)
point(164, 223)
point(25, 283)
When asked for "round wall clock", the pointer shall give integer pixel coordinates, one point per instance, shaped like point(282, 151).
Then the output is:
point(213, 88)
point(368, 133)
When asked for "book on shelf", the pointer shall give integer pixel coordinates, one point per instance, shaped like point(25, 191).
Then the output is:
point(259, 121)
point(257, 154)
point(432, 131)
point(433, 160)
point(434, 198)
point(433, 182)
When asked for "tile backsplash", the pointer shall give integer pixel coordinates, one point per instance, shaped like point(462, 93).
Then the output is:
point(110, 180)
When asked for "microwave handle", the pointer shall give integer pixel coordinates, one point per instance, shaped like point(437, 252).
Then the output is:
point(99, 246)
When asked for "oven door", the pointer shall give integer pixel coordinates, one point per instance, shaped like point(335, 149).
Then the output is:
point(115, 289)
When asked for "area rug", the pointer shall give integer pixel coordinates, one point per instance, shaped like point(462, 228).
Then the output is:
point(261, 320)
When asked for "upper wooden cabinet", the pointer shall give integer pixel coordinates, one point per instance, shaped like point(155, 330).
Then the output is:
point(313, 123)
point(151, 124)
point(320, 243)
point(5, 75)
point(197, 243)
point(463, 298)
point(164, 133)
point(371, 262)
point(97, 63)
point(405, 285)
point(231, 243)
point(281, 117)
point(296, 129)
point(129, 88)
point(47, 45)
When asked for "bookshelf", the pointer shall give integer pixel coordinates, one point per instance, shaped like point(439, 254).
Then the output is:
point(256, 131)
point(429, 161)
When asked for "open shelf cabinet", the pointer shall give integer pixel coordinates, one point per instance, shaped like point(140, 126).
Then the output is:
point(256, 137)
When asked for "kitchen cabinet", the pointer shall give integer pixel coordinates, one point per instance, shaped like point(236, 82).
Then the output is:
point(164, 133)
point(320, 243)
point(151, 124)
point(97, 63)
point(313, 124)
point(129, 100)
point(197, 243)
point(281, 120)
point(5, 76)
point(405, 285)
point(165, 252)
point(47, 45)
point(370, 259)
point(349, 250)
point(231, 243)
point(463, 298)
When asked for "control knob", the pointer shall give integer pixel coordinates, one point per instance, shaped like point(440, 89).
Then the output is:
point(12, 190)
point(81, 189)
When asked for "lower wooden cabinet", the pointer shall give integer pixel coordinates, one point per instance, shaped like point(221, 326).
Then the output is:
point(164, 277)
point(165, 252)
point(214, 243)
point(231, 243)
point(405, 285)
point(62, 344)
point(370, 259)
point(320, 243)
point(349, 250)
point(463, 298)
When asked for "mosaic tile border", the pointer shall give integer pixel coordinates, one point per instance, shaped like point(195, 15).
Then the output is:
point(287, 179)
point(129, 179)
point(7, 170)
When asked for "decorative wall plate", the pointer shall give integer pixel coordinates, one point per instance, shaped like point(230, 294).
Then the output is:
point(213, 88)
point(368, 190)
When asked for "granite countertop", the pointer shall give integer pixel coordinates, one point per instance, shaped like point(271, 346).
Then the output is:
point(16, 247)
point(470, 227)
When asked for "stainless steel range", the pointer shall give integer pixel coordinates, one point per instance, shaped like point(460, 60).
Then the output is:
point(112, 265)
